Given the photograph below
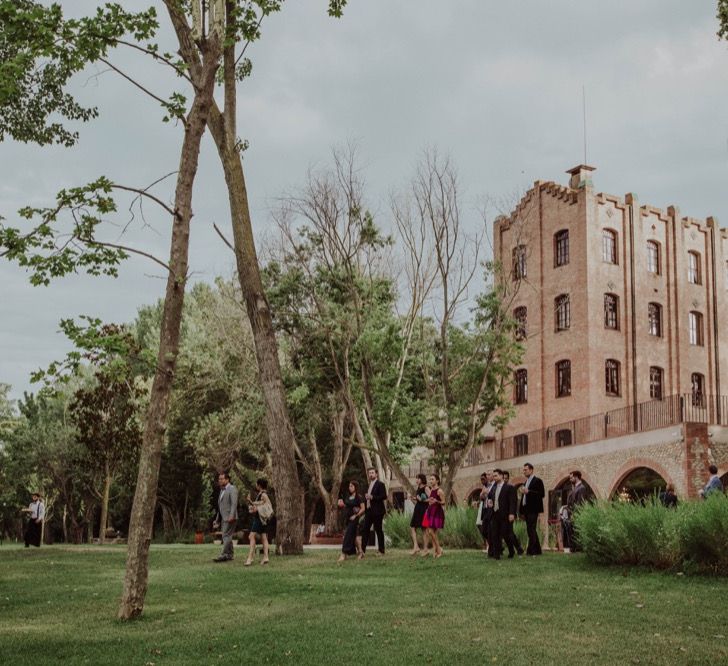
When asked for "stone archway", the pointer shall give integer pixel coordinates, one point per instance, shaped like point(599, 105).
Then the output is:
point(473, 496)
point(639, 479)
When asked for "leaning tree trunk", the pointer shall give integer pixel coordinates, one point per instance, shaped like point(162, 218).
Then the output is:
point(145, 496)
point(289, 511)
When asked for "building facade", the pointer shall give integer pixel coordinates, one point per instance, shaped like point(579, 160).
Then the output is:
point(618, 304)
point(622, 309)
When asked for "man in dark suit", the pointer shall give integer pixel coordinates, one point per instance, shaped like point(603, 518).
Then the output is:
point(502, 499)
point(577, 496)
point(531, 506)
point(375, 497)
point(515, 542)
point(485, 513)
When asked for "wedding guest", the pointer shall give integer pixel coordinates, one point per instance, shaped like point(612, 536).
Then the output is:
point(484, 511)
point(714, 485)
point(514, 546)
point(375, 497)
point(354, 507)
point(227, 515)
point(668, 497)
point(434, 519)
point(420, 501)
point(502, 499)
point(260, 508)
point(531, 506)
point(36, 513)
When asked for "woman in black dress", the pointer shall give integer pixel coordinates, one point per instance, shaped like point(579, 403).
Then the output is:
point(258, 526)
point(354, 507)
point(420, 501)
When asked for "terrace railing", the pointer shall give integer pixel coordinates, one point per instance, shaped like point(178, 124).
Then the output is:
point(640, 417)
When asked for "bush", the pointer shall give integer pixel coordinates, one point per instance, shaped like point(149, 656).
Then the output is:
point(702, 534)
point(460, 530)
point(628, 533)
point(693, 535)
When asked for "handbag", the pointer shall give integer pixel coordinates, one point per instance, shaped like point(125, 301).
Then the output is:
point(265, 511)
point(425, 520)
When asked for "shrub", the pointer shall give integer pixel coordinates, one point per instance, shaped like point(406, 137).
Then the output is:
point(460, 530)
point(702, 534)
point(694, 535)
point(628, 533)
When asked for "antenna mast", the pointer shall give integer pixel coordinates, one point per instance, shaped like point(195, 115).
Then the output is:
point(583, 106)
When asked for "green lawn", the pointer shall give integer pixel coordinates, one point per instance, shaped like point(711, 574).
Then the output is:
point(59, 604)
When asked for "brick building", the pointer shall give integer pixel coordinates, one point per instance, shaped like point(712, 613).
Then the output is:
point(623, 312)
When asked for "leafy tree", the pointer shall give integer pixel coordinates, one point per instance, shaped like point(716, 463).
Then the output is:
point(42, 50)
point(106, 416)
point(333, 303)
point(467, 364)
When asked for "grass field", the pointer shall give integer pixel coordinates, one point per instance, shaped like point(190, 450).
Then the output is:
point(58, 605)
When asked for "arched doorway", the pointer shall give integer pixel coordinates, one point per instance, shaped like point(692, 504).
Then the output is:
point(638, 485)
point(474, 497)
point(559, 495)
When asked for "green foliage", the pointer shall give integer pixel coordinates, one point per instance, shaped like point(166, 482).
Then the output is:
point(702, 533)
point(723, 19)
point(40, 50)
point(63, 237)
point(460, 530)
point(109, 345)
point(694, 535)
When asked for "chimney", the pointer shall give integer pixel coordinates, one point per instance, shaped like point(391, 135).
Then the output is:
point(581, 177)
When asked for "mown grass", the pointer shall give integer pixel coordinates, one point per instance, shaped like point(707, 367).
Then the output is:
point(58, 605)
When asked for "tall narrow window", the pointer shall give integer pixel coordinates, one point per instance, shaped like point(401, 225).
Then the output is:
point(563, 438)
point(694, 276)
point(521, 444)
point(521, 386)
point(520, 314)
point(611, 311)
point(695, 326)
point(653, 257)
point(656, 383)
point(519, 262)
point(697, 382)
point(609, 246)
point(654, 319)
point(611, 376)
point(562, 307)
point(561, 248)
point(563, 378)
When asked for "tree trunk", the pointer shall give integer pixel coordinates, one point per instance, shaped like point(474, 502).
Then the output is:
point(331, 516)
point(105, 504)
point(289, 511)
point(308, 519)
point(145, 496)
point(89, 517)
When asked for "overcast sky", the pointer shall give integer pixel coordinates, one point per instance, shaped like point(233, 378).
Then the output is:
point(496, 84)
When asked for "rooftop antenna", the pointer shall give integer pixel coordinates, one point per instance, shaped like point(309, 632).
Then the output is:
point(583, 106)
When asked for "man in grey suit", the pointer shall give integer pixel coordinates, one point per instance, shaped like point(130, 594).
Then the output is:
point(714, 485)
point(227, 515)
